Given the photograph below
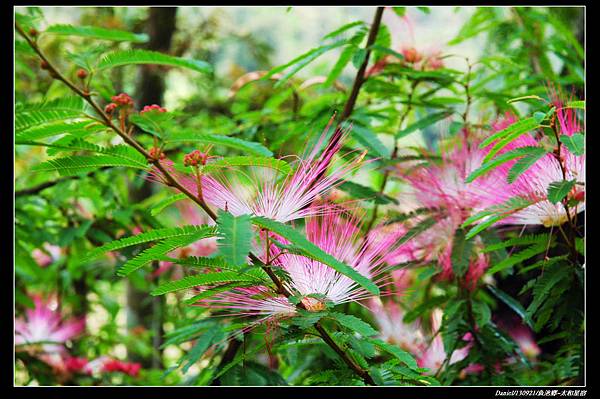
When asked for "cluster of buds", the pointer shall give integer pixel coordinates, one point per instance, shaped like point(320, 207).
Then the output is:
point(153, 107)
point(195, 158)
point(156, 153)
point(122, 99)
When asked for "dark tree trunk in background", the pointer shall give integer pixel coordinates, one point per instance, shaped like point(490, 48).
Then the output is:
point(144, 310)
point(160, 27)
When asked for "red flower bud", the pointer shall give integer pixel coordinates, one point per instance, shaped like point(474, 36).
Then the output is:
point(44, 65)
point(33, 32)
point(122, 99)
point(411, 55)
point(195, 158)
point(155, 153)
point(82, 73)
point(110, 108)
point(153, 107)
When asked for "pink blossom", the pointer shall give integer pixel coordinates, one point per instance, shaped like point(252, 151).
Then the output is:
point(266, 194)
point(315, 282)
point(47, 255)
point(442, 187)
point(535, 181)
point(434, 356)
point(389, 317)
point(43, 325)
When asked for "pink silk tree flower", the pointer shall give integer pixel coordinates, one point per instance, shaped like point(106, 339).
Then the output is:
point(46, 255)
point(389, 318)
point(434, 356)
point(315, 282)
point(43, 325)
point(442, 187)
point(534, 182)
point(266, 194)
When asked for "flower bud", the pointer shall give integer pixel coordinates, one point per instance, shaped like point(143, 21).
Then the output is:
point(82, 73)
point(122, 99)
point(153, 107)
point(110, 108)
point(33, 32)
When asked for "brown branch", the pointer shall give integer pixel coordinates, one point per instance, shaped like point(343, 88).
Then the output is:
point(360, 74)
point(171, 181)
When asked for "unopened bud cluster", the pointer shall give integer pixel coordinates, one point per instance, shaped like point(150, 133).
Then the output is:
point(156, 153)
point(195, 158)
point(122, 99)
point(153, 107)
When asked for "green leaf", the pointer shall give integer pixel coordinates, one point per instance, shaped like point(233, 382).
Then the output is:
point(354, 324)
point(343, 29)
point(359, 57)
point(544, 285)
point(265, 162)
point(366, 193)
point(395, 351)
point(523, 164)
point(539, 116)
point(424, 122)
point(310, 250)
point(418, 229)
point(129, 57)
point(507, 135)
point(522, 98)
point(204, 279)
point(530, 152)
point(574, 143)
point(28, 115)
point(461, 253)
point(161, 205)
point(519, 257)
point(154, 122)
point(71, 143)
point(541, 239)
point(235, 235)
point(149, 236)
point(211, 336)
point(82, 128)
point(483, 313)
point(97, 33)
point(232, 142)
point(511, 303)
point(160, 249)
point(576, 104)
point(369, 139)
point(300, 62)
point(559, 190)
point(496, 213)
point(400, 11)
point(208, 292)
point(68, 166)
point(340, 65)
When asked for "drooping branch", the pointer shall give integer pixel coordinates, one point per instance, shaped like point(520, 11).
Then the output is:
point(172, 181)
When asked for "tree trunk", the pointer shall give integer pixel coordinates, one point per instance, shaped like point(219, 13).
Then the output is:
point(142, 309)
